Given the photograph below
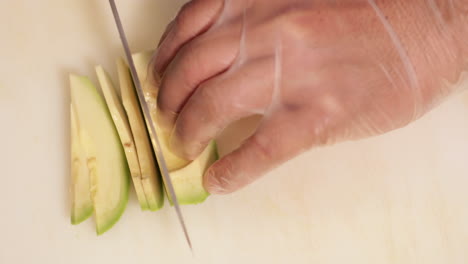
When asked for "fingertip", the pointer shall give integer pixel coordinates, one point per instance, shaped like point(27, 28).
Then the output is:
point(157, 60)
point(214, 183)
point(157, 64)
point(166, 32)
point(165, 120)
point(184, 149)
point(154, 75)
point(194, 18)
point(178, 148)
point(162, 57)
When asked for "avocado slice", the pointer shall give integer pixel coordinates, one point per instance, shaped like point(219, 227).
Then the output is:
point(150, 177)
point(108, 170)
point(122, 125)
point(186, 176)
point(82, 206)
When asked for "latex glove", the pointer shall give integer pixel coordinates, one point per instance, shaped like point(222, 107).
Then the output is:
point(320, 72)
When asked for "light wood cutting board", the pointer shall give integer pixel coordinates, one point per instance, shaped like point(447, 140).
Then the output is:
point(398, 198)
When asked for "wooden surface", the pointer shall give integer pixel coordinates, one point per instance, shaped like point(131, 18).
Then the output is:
point(398, 198)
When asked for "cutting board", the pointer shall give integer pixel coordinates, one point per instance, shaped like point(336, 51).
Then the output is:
point(397, 198)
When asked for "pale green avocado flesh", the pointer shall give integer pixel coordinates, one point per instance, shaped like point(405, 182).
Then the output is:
point(82, 205)
point(108, 171)
point(188, 181)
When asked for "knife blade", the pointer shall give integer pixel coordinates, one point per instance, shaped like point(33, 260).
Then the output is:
point(150, 122)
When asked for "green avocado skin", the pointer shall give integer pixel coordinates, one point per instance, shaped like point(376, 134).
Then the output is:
point(85, 214)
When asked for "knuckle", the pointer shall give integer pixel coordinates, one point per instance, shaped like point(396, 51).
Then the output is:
point(190, 65)
point(264, 149)
point(308, 26)
point(207, 98)
point(292, 107)
point(295, 24)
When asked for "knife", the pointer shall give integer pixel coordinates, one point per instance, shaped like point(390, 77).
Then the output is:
point(149, 121)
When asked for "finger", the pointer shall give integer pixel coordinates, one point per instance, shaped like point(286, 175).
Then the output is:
point(199, 61)
point(194, 18)
point(276, 141)
point(166, 31)
point(155, 76)
point(219, 102)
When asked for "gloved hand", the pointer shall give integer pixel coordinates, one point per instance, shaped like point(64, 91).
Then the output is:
point(319, 72)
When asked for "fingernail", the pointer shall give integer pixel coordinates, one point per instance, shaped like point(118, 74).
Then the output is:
point(212, 183)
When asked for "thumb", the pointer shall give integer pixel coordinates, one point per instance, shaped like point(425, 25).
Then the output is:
point(272, 144)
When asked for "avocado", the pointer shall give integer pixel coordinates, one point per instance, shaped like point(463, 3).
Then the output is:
point(122, 125)
point(188, 181)
point(150, 178)
point(111, 143)
point(108, 170)
point(81, 206)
